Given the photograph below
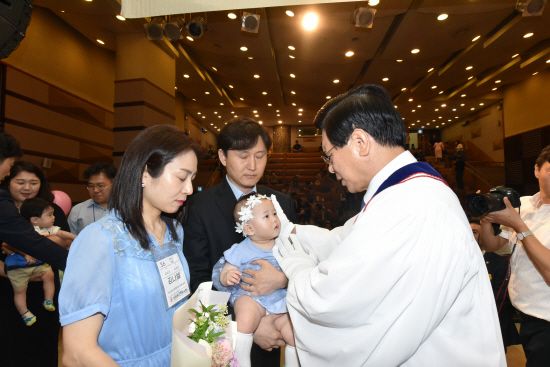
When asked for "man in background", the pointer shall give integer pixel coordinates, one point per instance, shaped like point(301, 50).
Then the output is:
point(100, 178)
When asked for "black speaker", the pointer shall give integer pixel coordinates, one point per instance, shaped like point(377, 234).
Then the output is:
point(15, 16)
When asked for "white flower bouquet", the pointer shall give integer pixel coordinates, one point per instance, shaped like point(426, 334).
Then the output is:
point(203, 334)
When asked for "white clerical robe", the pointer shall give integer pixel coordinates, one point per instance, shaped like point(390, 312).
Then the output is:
point(401, 283)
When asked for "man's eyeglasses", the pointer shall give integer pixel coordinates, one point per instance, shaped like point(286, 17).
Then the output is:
point(326, 157)
point(98, 187)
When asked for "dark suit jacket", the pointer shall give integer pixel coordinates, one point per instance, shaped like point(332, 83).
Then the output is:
point(210, 227)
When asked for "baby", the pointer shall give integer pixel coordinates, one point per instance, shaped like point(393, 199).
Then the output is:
point(22, 267)
point(258, 222)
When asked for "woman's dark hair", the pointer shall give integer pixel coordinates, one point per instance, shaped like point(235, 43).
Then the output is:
point(242, 133)
point(367, 107)
point(34, 207)
point(9, 147)
point(151, 150)
point(23, 166)
point(543, 157)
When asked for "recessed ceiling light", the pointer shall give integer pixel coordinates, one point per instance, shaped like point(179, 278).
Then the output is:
point(349, 53)
point(232, 112)
point(436, 109)
point(373, 2)
point(219, 117)
point(463, 95)
point(221, 103)
point(214, 68)
point(250, 57)
point(244, 48)
point(292, 56)
point(403, 89)
point(294, 104)
point(328, 97)
point(194, 99)
point(211, 124)
point(535, 73)
point(470, 77)
point(300, 109)
point(410, 99)
point(548, 61)
point(186, 76)
point(476, 38)
point(292, 92)
point(63, 11)
point(336, 81)
point(189, 38)
point(264, 93)
point(292, 75)
point(497, 81)
point(176, 88)
point(469, 67)
point(232, 15)
point(199, 113)
point(241, 98)
point(482, 104)
point(291, 48)
point(277, 111)
point(215, 112)
point(260, 122)
point(415, 51)
point(385, 79)
point(462, 105)
point(419, 106)
point(290, 13)
point(443, 105)
point(514, 56)
point(256, 115)
point(207, 92)
point(473, 108)
point(430, 70)
point(256, 76)
point(254, 111)
point(310, 21)
point(454, 109)
point(528, 35)
point(101, 42)
point(413, 111)
point(280, 121)
point(434, 87)
point(299, 114)
point(440, 92)
point(230, 86)
point(269, 105)
point(118, 16)
point(278, 115)
point(399, 60)
point(442, 16)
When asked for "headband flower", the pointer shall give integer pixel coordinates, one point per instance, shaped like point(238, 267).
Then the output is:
point(245, 213)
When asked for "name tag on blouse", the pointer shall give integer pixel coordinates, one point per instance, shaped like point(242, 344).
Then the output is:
point(174, 282)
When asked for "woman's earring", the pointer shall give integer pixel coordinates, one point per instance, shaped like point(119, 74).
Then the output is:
point(143, 184)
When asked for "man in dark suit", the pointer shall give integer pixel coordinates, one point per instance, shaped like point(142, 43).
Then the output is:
point(210, 227)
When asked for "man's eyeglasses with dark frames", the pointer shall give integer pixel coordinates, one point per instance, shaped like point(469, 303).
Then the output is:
point(98, 187)
point(326, 157)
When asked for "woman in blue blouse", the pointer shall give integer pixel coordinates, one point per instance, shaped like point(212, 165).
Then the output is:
point(126, 273)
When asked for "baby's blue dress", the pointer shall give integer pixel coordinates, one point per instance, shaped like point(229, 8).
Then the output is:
point(242, 255)
point(108, 272)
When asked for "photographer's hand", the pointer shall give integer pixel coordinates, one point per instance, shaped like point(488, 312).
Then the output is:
point(508, 217)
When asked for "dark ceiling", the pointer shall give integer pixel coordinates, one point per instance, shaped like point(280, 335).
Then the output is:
point(431, 89)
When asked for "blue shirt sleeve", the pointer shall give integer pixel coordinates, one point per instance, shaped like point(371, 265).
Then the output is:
point(88, 279)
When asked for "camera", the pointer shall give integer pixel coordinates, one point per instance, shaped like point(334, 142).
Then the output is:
point(478, 205)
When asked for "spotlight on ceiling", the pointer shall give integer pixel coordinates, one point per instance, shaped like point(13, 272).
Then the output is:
point(196, 27)
point(153, 30)
point(173, 29)
point(250, 22)
point(363, 17)
point(530, 8)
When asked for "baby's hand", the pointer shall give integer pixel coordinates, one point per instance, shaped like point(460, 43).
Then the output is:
point(232, 277)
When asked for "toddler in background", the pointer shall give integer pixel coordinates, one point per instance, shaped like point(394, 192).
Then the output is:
point(258, 222)
point(21, 267)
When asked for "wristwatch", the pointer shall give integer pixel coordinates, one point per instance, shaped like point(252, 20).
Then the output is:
point(521, 235)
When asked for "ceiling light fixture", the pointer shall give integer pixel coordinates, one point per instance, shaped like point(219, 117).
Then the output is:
point(173, 29)
point(385, 79)
point(196, 27)
point(470, 67)
point(336, 81)
point(101, 42)
point(290, 13)
point(443, 16)
point(292, 76)
point(292, 56)
point(476, 38)
point(399, 60)
point(256, 76)
point(363, 17)
point(349, 53)
point(310, 21)
point(528, 35)
point(243, 48)
point(232, 15)
point(415, 51)
point(118, 16)
point(250, 22)
point(291, 48)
